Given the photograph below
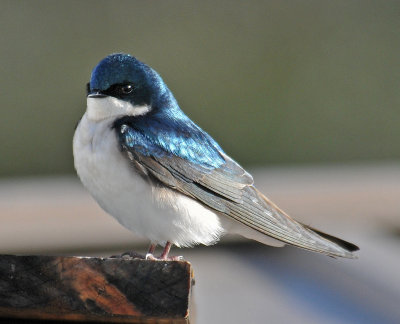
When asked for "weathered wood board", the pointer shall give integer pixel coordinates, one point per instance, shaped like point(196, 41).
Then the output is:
point(120, 290)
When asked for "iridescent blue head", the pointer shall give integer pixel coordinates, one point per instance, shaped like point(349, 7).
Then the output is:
point(124, 77)
point(135, 101)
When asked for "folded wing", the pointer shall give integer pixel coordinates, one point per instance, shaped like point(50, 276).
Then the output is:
point(229, 189)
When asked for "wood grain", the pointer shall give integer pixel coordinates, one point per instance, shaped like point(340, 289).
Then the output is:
point(123, 290)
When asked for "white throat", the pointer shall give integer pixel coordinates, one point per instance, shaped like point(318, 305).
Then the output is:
point(108, 107)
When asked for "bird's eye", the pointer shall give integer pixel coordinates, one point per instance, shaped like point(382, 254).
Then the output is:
point(126, 89)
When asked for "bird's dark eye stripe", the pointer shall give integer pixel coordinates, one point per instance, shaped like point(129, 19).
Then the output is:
point(120, 89)
point(127, 88)
point(87, 88)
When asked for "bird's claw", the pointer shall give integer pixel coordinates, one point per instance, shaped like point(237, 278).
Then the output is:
point(150, 256)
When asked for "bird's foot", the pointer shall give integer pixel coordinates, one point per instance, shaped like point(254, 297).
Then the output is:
point(150, 256)
point(165, 254)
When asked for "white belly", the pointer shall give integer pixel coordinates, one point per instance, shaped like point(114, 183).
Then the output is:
point(158, 214)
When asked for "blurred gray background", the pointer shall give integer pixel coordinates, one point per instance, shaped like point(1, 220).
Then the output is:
point(303, 93)
point(272, 81)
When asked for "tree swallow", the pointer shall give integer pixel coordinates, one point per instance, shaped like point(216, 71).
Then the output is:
point(164, 178)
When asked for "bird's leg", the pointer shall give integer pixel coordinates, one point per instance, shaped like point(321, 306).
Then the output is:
point(164, 254)
point(150, 252)
point(152, 248)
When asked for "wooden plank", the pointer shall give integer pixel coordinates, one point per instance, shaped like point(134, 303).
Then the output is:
point(119, 290)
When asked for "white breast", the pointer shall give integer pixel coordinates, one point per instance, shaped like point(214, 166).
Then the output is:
point(158, 214)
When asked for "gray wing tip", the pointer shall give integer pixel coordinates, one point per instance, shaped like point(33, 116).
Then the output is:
point(347, 247)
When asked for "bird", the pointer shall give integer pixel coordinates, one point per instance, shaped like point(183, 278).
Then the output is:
point(147, 164)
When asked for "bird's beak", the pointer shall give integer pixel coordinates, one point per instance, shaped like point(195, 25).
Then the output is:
point(96, 94)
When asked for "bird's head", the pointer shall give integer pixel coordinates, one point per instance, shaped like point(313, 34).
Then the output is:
point(121, 85)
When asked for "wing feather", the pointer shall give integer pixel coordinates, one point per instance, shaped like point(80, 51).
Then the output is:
point(229, 190)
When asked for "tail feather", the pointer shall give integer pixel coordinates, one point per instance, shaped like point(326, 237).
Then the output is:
point(342, 243)
point(310, 238)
